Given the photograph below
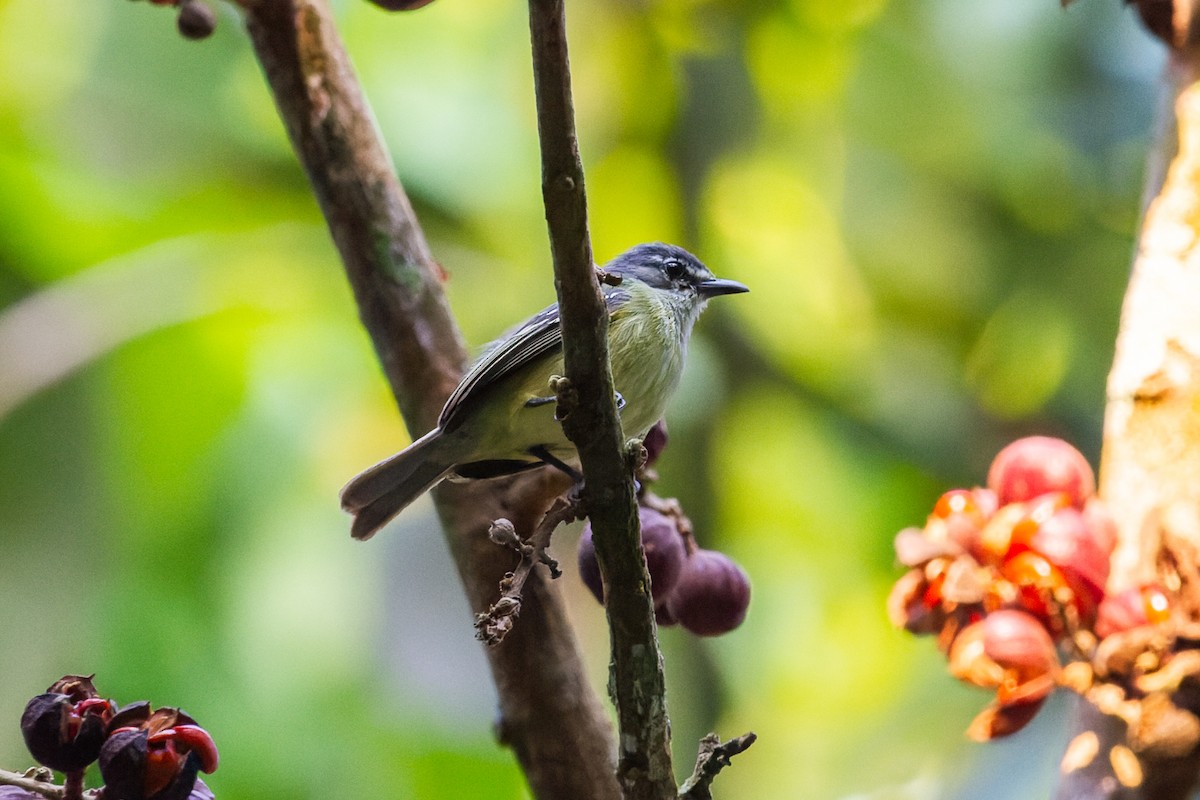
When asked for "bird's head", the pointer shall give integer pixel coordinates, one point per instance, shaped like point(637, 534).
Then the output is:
point(673, 269)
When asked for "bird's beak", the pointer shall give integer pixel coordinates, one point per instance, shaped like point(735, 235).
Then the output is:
point(719, 286)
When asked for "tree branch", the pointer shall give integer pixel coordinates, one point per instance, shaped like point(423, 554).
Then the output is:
point(493, 625)
point(1150, 469)
point(638, 686)
point(548, 712)
point(714, 756)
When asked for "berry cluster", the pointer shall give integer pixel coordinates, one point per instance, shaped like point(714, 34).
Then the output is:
point(196, 19)
point(143, 754)
point(1012, 579)
point(703, 591)
point(1005, 574)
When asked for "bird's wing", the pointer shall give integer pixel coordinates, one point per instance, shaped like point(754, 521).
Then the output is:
point(534, 339)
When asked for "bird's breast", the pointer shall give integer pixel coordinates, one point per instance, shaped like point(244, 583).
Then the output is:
point(647, 350)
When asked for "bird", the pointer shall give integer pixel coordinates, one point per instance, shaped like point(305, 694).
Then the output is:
point(500, 419)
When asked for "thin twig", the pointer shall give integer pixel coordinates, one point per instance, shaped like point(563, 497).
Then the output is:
point(73, 785)
point(31, 782)
point(637, 684)
point(493, 625)
point(714, 757)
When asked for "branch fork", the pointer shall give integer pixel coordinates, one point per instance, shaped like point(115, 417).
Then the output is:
point(493, 625)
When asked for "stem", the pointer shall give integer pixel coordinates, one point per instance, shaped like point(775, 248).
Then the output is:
point(637, 683)
point(73, 786)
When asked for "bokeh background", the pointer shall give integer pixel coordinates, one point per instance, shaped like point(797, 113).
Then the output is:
point(932, 200)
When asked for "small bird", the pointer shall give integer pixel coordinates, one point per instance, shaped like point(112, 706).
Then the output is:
point(500, 419)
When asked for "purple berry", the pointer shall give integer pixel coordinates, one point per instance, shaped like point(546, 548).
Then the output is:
point(589, 568)
point(712, 594)
point(65, 726)
point(196, 20)
point(662, 544)
point(654, 441)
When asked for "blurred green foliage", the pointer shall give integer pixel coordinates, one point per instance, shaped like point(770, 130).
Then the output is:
point(933, 202)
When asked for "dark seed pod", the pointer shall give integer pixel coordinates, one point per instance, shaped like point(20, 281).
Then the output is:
point(712, 595)
point(196, 20)
point(123, 765)
point(62, 734)
point(150, 764)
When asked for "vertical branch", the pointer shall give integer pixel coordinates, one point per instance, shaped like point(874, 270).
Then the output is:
point(637, 684)
point(1150, 469)
point(549, 714)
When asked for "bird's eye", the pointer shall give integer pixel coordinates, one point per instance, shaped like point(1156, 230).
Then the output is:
point(674, 269)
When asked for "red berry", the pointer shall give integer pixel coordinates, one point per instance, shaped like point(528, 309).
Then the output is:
point(712, 594)
point(959, 517)
point(1132, 608)
point(1101, 524)
point(1019, 642)
point(1067, 541)
point(1038, 582)
point(955, 501)
point(998, 720)
point(1037, 465)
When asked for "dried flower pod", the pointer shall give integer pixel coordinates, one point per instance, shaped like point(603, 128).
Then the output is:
point(968, 660)
point(1017, 646)
point(1163, 730)
point(914, 548)
point(997, 720)
point(64, 728)
point(712, 595)
point(1037, 465)
point(158, 759)
point(904, 606)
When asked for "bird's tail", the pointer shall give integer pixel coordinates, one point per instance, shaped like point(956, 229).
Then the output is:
point(381, 492)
